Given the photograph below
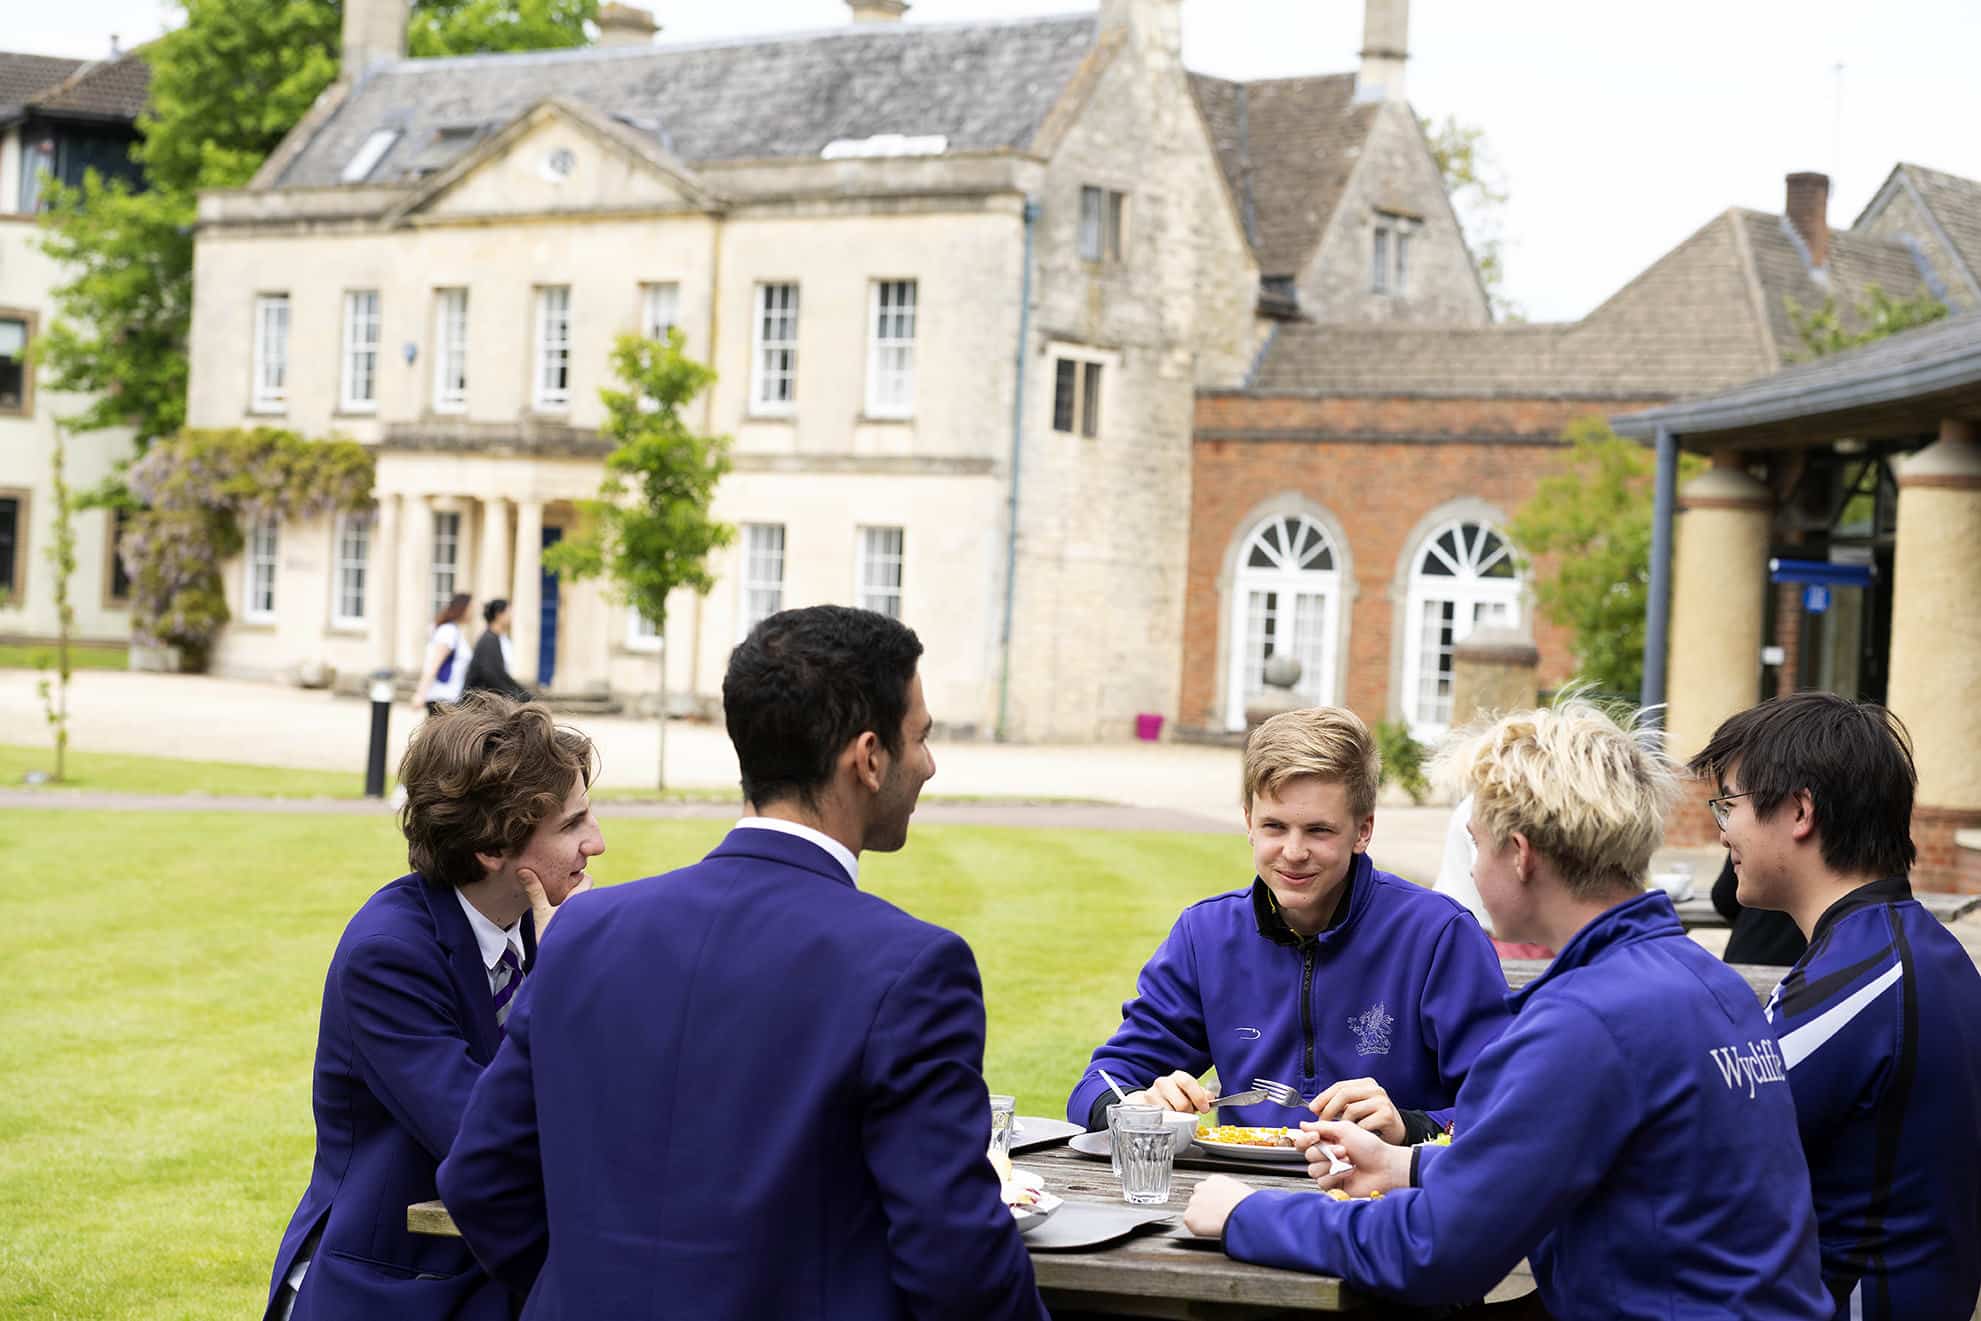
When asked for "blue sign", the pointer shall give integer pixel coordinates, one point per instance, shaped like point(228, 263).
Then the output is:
point(1815, 598)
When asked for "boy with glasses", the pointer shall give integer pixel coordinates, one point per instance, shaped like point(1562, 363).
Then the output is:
point(1880, 1021)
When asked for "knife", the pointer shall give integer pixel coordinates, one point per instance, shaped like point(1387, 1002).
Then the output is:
point(1252, 1097)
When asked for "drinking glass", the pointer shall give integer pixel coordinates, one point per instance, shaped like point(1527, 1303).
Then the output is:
point(1114, 1112)
point(1003, 1109)
point(1148, 1154)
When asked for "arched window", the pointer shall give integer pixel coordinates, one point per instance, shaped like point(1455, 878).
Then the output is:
point(1465, 577)
point(1285, 599)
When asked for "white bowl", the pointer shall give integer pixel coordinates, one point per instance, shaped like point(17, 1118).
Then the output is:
point(1182, 1128)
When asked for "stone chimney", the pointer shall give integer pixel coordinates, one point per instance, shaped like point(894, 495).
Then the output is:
point(1154, 25)
point(1385, 46)
point(374, 33)
point(877, 11)
point(1809, 214)
point(624, 25)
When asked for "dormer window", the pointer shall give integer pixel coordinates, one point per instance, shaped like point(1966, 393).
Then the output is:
point(1389, 253)
point(369, 155)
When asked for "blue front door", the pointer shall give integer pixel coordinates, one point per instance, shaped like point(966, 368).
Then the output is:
point(547, 631)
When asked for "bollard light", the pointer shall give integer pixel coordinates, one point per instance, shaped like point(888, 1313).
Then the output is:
point(381, 716)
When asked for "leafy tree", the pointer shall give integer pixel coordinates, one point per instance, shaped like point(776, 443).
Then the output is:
point(197, 488)
point(1591, 521)
point(649, 532)
point(226, 87)
point(1477, 188)
point(1823, 332)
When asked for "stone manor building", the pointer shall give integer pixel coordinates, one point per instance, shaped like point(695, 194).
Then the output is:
point(962, 284)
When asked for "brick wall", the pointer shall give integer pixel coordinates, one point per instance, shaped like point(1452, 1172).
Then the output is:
point(1788, 636)
point(1379, 466)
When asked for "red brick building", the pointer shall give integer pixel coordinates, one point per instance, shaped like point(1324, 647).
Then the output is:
point(1350, 502)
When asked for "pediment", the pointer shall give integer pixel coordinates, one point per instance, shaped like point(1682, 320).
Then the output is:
point(560, 159)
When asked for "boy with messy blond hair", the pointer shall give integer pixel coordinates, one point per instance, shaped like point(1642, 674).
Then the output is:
point(1360, 990)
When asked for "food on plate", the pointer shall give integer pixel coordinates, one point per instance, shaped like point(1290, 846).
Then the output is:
point(1243, 1135)
point(1341, 1196)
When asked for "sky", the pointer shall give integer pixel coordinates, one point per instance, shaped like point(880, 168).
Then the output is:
point(1618, 129)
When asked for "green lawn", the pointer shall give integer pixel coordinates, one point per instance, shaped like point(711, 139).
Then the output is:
point(41, 655)
point(117, 772)
point(163, 974)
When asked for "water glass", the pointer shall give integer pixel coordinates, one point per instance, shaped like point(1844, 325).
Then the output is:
point(1003, 1109)
point(1144, 1112)
point(1147, 1157)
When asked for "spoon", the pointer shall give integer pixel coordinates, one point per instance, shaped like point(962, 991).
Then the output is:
point(1119, 1095)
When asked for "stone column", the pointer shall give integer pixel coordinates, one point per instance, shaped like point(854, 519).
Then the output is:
point(493, 570)
point(526, 596)
point(1493, 671)
point(415, 591)
point(384, 584)
point(1719, 584)
point(1936, 616)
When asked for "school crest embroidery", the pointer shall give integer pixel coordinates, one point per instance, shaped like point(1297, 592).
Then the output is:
point(1371, 1028)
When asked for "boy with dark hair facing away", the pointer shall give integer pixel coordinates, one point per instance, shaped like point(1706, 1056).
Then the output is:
point(1880, 1020)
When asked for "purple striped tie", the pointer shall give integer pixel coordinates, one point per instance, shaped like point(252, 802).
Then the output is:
point(512, 977)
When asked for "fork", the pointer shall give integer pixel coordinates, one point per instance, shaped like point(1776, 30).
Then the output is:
point(1280, 1094)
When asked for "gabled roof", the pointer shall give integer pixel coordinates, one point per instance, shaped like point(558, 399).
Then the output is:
point(105, 89)
point(23, 77)
point(981, 86)
point(1955, 203)
point(1286, 147)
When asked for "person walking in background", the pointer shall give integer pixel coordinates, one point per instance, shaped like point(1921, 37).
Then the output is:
point(498, 830)
point(494, 661)
point(445, 672)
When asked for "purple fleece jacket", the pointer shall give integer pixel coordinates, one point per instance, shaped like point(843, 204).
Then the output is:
point(1403, 988)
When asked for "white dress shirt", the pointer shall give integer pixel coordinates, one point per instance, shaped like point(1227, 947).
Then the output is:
point(492, 939)
point(840, 853)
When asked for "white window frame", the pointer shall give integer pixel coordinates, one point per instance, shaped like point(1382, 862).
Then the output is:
point(1475, 600)
point(444, 559)
point(774, 349)
point(270, 393)
point(893, 310)
point(1292, 543)
point(551, 379)
point(363, 332)
point(261, 565)
point(660, 308)
point(350, 577)
point(641, 634)
point(759, 575)
point(880, 555)
point(450, 350)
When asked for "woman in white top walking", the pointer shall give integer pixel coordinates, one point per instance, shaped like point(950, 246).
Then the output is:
point(447, 655)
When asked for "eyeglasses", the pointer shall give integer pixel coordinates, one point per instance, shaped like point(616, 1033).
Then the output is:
point(1720, 807)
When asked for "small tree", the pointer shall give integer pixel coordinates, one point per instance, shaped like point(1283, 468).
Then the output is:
point(649, 532)
point(1823, 332)
point(1592, 523)
point(62, 556)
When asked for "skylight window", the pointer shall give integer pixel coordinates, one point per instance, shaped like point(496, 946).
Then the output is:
point(886, 144)
point(369, 155)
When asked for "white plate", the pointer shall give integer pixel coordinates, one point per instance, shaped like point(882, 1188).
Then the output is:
point(1242, 1151)
point(1031, 1217)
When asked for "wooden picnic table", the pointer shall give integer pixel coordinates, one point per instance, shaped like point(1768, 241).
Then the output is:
point(1698, 911)
point(1761, 976)
point(1162, 1270)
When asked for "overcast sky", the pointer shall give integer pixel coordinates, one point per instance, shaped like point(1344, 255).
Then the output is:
point(1620, 128)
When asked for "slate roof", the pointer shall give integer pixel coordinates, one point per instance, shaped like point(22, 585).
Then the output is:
point(1857, 262)
point(1914, 366)
point(105, 89)
point(983, 86)
point(1956, 204)
point(1286, 147)
point(24, 76)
